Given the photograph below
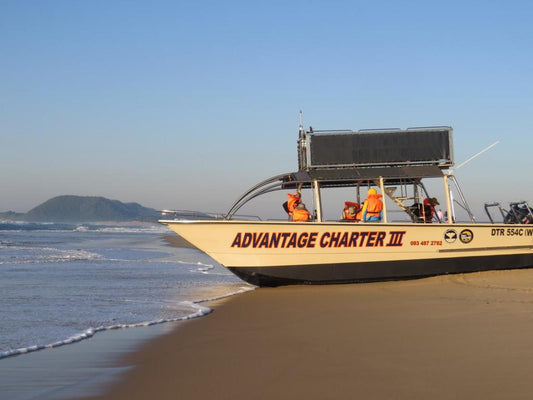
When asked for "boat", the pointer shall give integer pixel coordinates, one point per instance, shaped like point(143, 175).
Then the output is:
point(403, 245)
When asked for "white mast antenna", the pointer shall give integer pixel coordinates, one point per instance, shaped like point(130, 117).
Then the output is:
point(463, 163)
point(477, 154)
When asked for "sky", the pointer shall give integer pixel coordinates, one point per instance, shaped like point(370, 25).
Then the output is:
point(187, 104)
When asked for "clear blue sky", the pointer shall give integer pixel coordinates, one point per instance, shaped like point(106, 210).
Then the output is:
point(185, 104)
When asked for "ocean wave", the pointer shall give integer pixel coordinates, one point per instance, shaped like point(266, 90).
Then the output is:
point(199, 311)
point(204, 269)
point(199, 267)
point(22, 226)
point(40, 255)
point(159, 229)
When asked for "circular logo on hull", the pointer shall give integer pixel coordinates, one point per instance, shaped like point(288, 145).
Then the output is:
point(450, 236)
point(466, 236)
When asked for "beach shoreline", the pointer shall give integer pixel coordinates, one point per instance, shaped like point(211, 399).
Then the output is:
point(456, 336)
point(84, 363)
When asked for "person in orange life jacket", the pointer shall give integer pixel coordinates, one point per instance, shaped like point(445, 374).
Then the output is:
point(294, 200)
point(300, 213)
point(372, 210)
point(350, 211)
point(429, 208)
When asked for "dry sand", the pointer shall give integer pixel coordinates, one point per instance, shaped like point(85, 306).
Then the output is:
point(449, 337)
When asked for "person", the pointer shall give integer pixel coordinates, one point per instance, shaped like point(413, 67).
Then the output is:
point(372, 210)
point(294, 200)
point(429, 208)
point(440, 215)
point(300, 213)
point(350, 211)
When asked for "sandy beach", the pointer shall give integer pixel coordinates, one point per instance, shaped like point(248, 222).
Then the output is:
point(457, 336)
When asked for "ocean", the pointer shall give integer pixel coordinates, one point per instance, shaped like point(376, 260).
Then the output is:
point(64, 283)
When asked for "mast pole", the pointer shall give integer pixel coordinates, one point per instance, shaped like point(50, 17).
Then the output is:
point(382, 189)
point(449, 201)
point(318, 201)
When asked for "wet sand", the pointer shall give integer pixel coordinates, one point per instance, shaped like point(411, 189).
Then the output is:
point(177, 241)
point(86, 367)
point(457, 336)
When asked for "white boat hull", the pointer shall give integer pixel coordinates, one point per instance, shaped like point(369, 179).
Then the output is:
point(272, 253)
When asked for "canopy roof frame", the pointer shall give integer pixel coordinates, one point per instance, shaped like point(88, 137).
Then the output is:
point(347, 158)
point(303, 179)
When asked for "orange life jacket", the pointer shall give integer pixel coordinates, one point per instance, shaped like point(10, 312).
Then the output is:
point(374, 206)
point(346, 215)
point(293, 202)
point(300, 215)
point(428, 211)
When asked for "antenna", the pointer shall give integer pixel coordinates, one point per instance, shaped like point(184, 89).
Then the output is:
point(477, 154)
point(452, 208)
point(301, 127)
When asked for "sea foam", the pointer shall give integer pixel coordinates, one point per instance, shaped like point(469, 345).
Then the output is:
point(196, 305)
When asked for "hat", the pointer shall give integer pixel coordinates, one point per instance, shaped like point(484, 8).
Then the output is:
point(434, 201)
point(372, 191)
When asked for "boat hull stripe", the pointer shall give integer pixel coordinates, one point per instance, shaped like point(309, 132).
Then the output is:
point(368, 272)
point(497, 248)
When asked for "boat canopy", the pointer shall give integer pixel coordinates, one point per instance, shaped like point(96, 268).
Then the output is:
point(381, 158)
point(346, 177)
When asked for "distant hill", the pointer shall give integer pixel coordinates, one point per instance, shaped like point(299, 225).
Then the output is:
point(87, 208)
